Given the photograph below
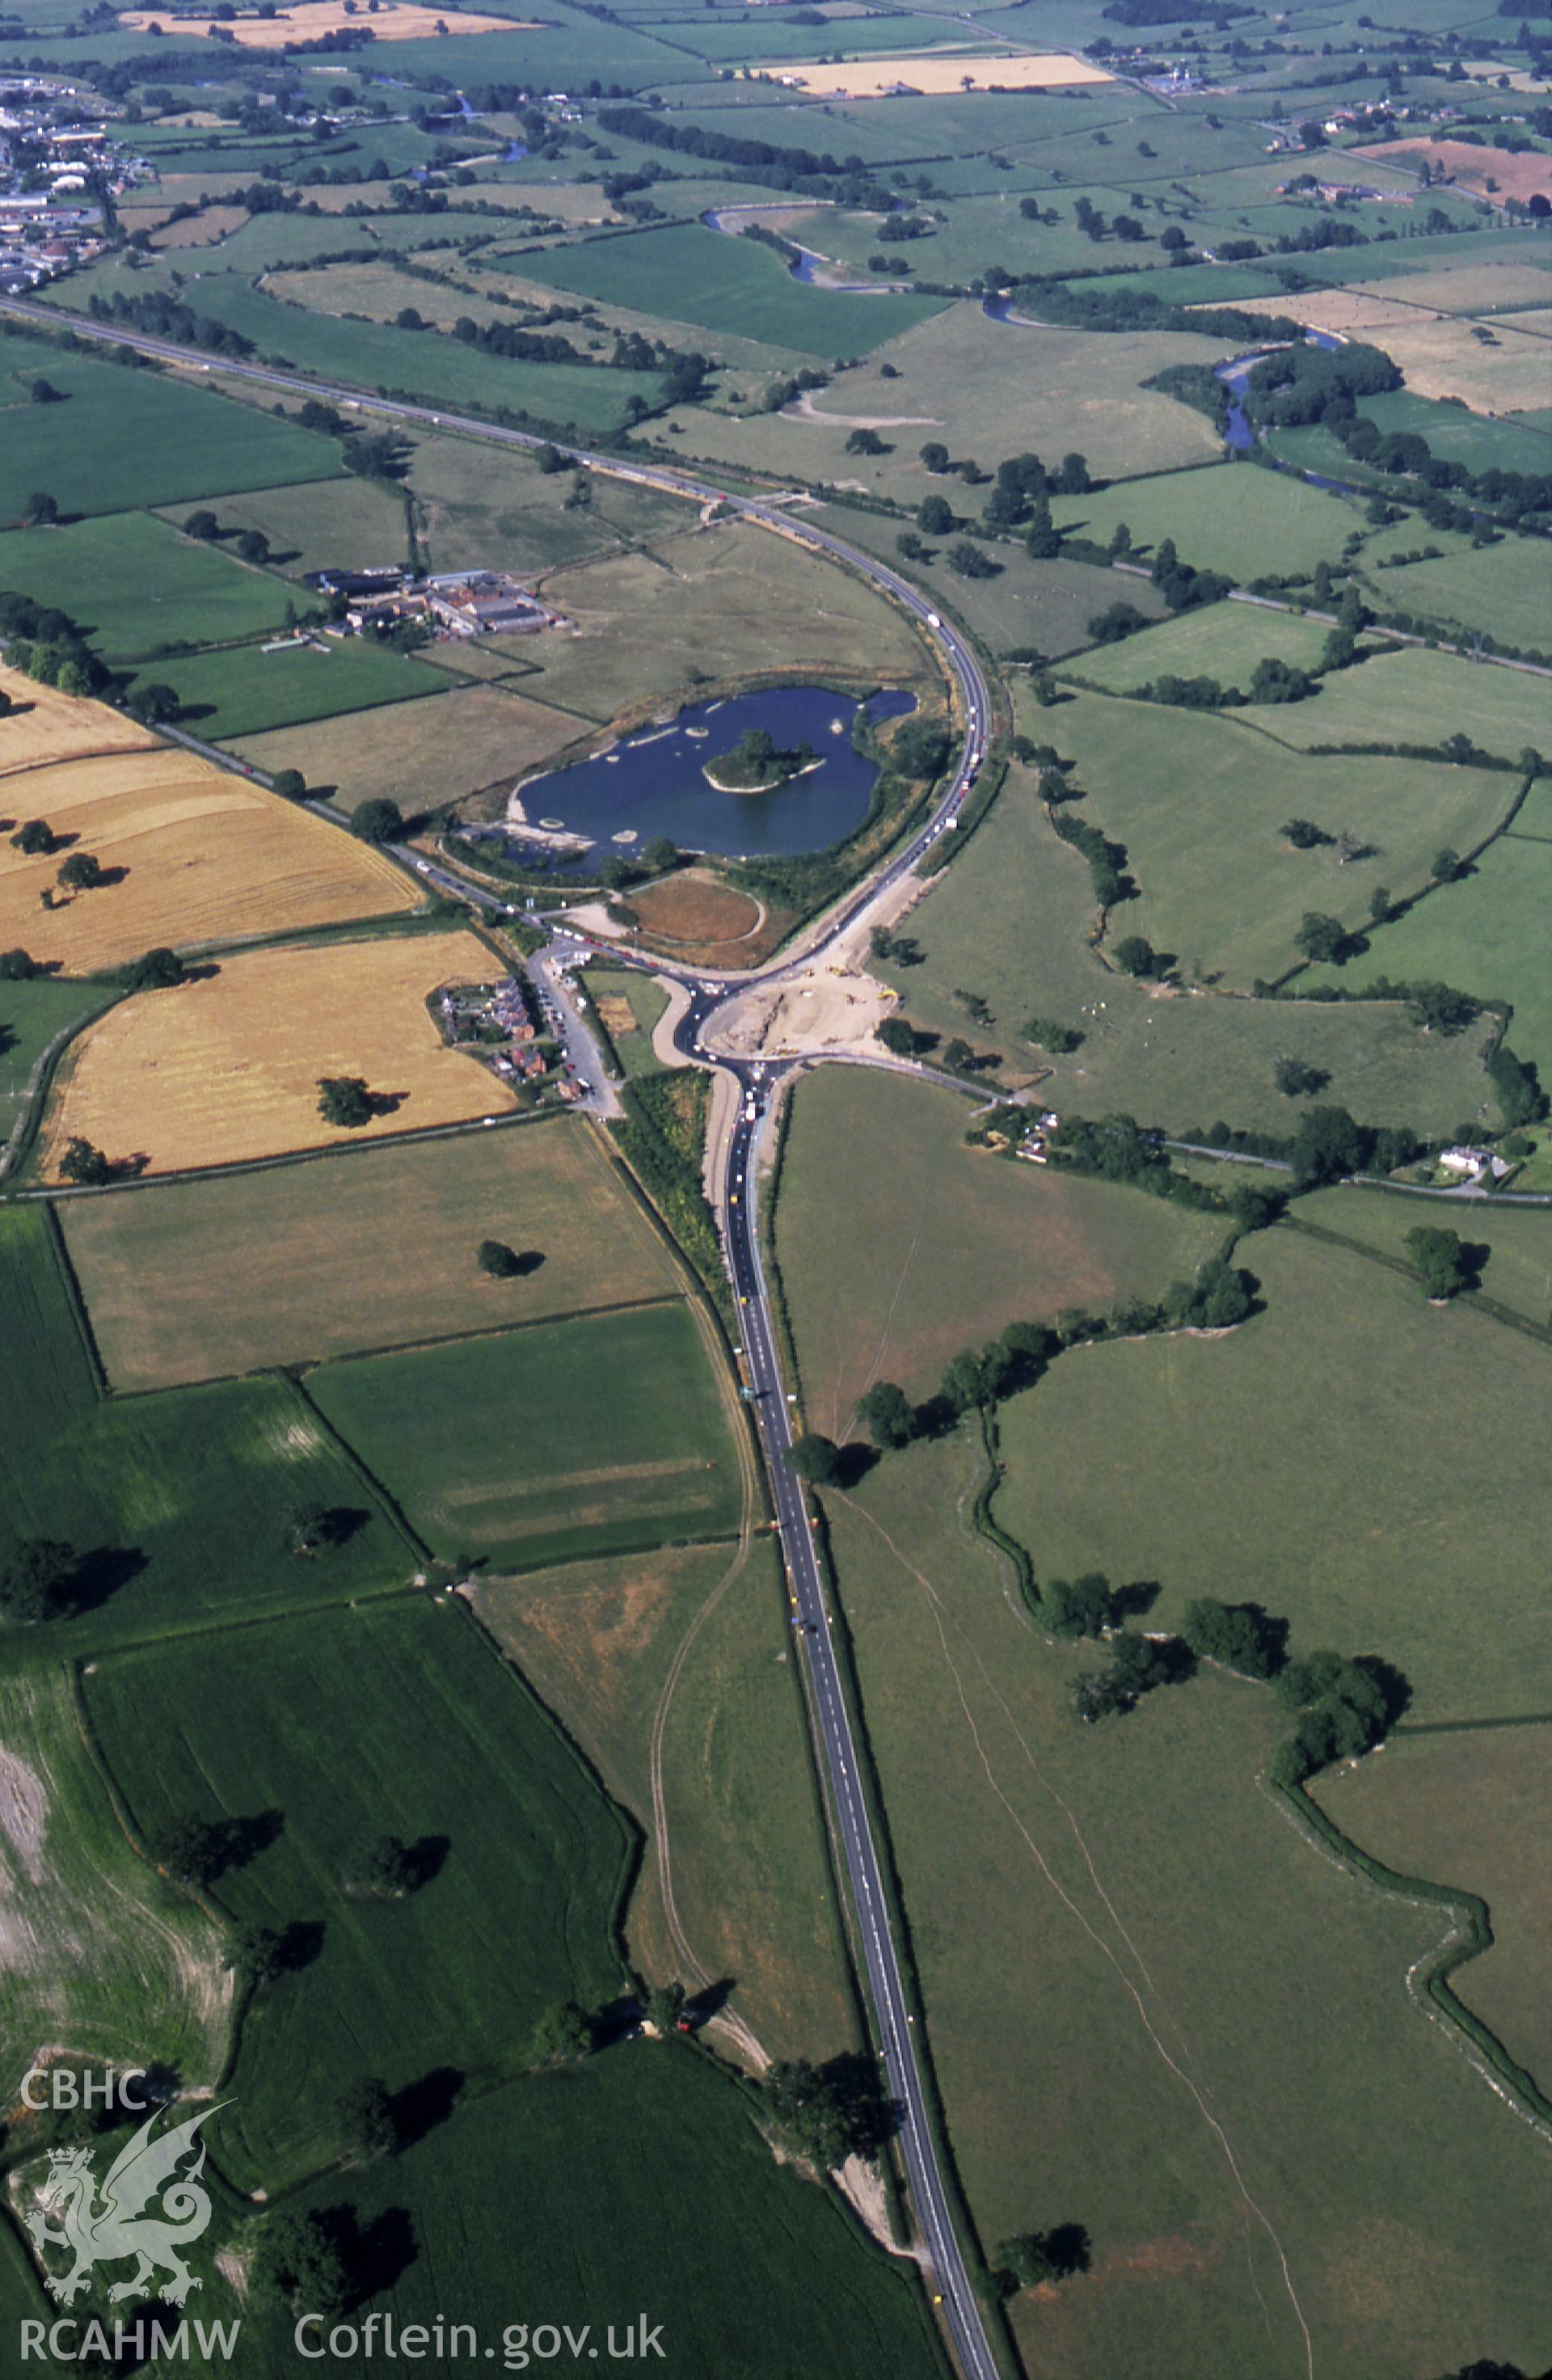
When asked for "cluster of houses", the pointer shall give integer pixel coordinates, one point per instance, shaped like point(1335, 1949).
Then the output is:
point(456, 603)
point(56, 171)
point(501, 1016)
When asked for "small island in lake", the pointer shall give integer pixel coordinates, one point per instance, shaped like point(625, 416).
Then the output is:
point(755, 765)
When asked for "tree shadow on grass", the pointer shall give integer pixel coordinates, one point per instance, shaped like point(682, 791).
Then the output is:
point(100, 1573)
point(421, 2105)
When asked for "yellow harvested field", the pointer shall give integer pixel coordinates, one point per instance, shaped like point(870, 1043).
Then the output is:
point(45, 726)
point(923, 72)
point(395, 20)
point(1471, 168)
point(1475, 288)
point(1439, 353)
point(201, 230)
point(205, 858)
point(227, 1068)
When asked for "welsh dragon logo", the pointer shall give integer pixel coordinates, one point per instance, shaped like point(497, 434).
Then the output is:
point(104, 2226)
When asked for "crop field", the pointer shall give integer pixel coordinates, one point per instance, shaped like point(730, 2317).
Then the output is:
point(445, 1749)
point(748, 1873)
point(240, 1078)
point(200, 858)
point(993, 389)
point(397, 20)
point(1468, 1809)
point(999, 70)
point(1199, 802)
point(175, 1505)
point(694, 274)
point(421, 754)
point(342, 523)
point(192, 1280)
point(206, 229)
point(720, 601)
point(137, 587)
point(764, 2282)
point(1516, 1246)
point(97, 1954)
point(43, 725)
point(247, 690)
point(1009, 921)
point(1069, 1998)
point(32, 1014)
point(1222, 640)
point(1438, 353)
point(136, 438)
point(1243, 525)
point(1412, 697)
point(595, 1435)
point(937, 1246)
point(1487, 934)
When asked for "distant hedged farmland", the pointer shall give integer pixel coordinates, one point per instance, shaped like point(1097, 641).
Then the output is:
point(397, 1689)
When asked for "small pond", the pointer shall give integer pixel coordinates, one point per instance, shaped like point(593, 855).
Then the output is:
point(652, 782)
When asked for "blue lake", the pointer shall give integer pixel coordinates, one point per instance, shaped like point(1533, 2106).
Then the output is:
point(652, 782)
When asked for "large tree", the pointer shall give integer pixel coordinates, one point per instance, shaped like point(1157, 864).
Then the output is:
point(365, 2120)
point(887, 1414)
point(379, 821)
point(1440, 1258)
point(816, 1459)
point(35, 1579)
point(344, 1101)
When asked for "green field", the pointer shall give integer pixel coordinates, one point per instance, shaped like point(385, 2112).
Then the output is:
point(1045, 606)
point(1009, 922)
point(31, 1016)
point(1352, 1458)
point(986, 390)
point(1469, 1809)
point(1487, 934)
point(1222, 640)
point(177, 1503)
point(123, 439)
point(694, 274)
point(686, 1645)
point(642, 2186)
point(1235, 519)
point(1124, 1946)
point(1200, 801)
point(591, 1435)
point(139, 589)
point(647, 1001)
point(443, 1748)
point(442, 370)
point(247, 690)
point(935, 1247)
point(190, 1280)
point(479, 507)
point(344, 524)
point(100, 1954)
point(1416, 698)
point(1517, 1272)
point(1499, 589)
